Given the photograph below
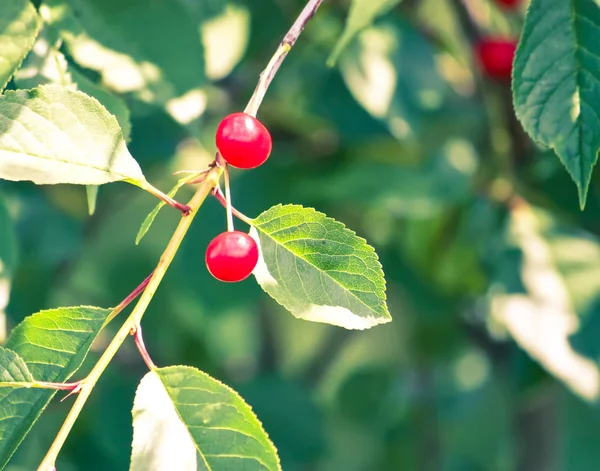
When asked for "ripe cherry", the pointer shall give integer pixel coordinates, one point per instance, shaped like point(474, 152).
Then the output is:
point(231, 256)
point(509, 4)
point(495, 57)
point(243, 141)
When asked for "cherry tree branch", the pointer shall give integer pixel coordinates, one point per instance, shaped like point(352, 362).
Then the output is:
point(267, 75)
point(150, 285)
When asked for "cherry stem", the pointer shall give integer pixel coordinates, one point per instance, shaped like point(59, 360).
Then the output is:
point(184, 208)
point(209, 183)
point(267, 75)
point(228, 206)
point(141, 346)
point(218, 194)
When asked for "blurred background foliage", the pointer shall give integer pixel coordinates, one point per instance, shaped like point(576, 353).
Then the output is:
point(492, 360)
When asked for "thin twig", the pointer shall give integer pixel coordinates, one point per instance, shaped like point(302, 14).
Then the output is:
point(267, 75)
point(184, 208)
point(228, 199)
point(133, 320)
point(141, 346)
point(205, 188)
point(218, 194)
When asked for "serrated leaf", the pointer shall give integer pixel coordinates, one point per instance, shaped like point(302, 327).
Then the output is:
point(556, 83)
point(52, 135)
point(222, 429)
point(19, 25)
point(15, 403)
point(544, 293)
point(160, 439)
point(318, 269)
point(362, 13)
point(45, 64)
point(53, 345)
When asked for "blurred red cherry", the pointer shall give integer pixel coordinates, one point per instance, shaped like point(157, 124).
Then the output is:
point(509, 4)
point(495, 57)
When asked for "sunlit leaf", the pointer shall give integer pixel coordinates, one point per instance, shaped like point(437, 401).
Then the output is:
point(225, 38)
point(362, 14)
point(318, 269)
point(53, 345)
point(129, 49)
point(545, 295)
point(557, 83)
point(391, 71)
point(160, 439)
point(54, 135)
point(197, 423)
point(19, 25)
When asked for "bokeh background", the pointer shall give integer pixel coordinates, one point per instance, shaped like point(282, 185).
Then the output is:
point(493, 272)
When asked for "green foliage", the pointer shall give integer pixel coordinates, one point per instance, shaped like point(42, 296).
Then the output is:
point(129, 54)
point(547, 281)
point(48, 346)
point(556, 83)
point(492, 361)
point(19, 25)
point(152, 215)
point(201, 416)
point(362, 13)
point(319, 270)
point(89, 149)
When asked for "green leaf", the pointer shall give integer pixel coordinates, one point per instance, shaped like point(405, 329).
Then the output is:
point(19, 25)
point(13, 368)
point(15, 403)
point(52, 135)
point(318, 269)
point(391, 71)
point(129, 49)
point(152, 216)
point(45, 64)
point(544, 294)
point(160, 439)
point(556, 83)
point(91, 194)
point(198, 423)
point(362, 14)
point(53, 345)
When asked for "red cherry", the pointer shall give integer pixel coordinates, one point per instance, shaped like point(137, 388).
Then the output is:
point(243, 141)
point(495, 57)
point(231, 256)
point(509, 4)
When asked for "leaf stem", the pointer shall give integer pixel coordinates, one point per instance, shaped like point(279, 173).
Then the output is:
point(230, 227)
point(210, 182)
point(41, 385)
point(130, 297)
point(184, 208)
point(133, 320)
point(141, 346)
point(218, 194)
point(267, 75)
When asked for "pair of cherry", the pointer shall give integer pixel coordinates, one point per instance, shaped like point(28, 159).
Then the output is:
point(243, 142)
